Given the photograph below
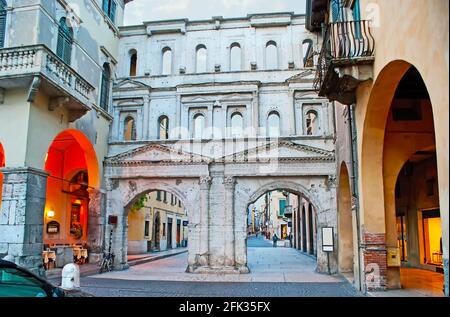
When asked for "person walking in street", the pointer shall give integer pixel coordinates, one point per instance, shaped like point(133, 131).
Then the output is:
point(275, 239)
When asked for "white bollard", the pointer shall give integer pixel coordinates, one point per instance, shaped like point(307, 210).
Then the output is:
point(70, 277)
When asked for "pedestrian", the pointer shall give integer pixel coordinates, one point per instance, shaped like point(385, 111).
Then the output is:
point(275, 239)
point(290, 239)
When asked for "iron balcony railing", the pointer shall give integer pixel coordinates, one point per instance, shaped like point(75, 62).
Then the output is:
point(344, 43)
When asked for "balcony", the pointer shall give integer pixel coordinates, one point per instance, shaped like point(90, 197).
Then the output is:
point(37, 68)
point(345, 60)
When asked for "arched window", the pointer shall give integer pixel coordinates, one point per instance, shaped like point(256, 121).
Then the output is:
point(237, 125)
point(199, 126)
point(235, 57)
point(311, 123)
point(163, 128)
point(308, 54)
point(2, 22)
point(201, 59)
point(273, 124)
point(271, 55)
point(129, 129)
point(65, 40)
point(104, 94)
point(166, 61)
point(133, 62)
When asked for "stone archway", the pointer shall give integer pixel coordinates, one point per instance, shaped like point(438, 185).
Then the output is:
point(121, 195)
point(389, 139)
point(319, 196)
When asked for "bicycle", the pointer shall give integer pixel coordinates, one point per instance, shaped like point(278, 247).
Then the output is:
point(107, 263)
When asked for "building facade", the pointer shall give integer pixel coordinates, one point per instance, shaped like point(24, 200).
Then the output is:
point(391, 106)
point(55, 116)
point(161, 224)
point(219, 112)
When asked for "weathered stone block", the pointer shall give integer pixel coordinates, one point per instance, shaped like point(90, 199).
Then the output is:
point(12, 234)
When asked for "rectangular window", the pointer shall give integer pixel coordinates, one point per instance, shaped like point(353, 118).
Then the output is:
point(356, 17)
point(165, 197)
point(109, 8)
point(158, 195)
point(146, 228)
point(282, 205)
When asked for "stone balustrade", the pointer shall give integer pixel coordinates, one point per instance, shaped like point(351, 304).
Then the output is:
point(38, 60)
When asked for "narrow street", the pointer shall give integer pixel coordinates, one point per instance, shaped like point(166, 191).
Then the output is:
point(275, 272)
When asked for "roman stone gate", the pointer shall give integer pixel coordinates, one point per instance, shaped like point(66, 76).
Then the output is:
point(216, 190)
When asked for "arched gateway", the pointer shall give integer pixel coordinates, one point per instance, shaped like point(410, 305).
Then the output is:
point(216, 192)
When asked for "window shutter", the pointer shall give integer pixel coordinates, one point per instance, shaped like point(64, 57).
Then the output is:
point(2, 23)
point(282, 205)
point(112, 13)
point(105, 6)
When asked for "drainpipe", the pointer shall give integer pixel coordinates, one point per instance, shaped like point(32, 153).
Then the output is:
point(354, 177)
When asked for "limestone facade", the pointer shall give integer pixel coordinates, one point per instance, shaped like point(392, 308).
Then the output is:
point(285, 138)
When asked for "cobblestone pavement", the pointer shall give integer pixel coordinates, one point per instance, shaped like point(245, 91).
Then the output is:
point(275, 272)
point(124, 288)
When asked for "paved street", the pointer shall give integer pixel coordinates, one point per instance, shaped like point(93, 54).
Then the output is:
point(274, 272)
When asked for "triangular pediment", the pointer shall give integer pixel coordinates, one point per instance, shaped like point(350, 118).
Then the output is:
point(303, 76)
point(130, 84)
point(155, 153)
point(282, 150)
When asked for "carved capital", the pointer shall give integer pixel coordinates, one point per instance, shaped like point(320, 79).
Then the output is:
point(205, 182)
point(229, 182)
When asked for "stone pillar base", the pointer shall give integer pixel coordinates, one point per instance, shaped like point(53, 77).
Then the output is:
point(218, 270)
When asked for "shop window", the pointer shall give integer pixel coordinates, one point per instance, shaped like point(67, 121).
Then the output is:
point(432, 237)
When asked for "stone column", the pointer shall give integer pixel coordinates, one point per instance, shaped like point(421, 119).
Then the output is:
point(203, 254)
point(145, 123)
point(229, 184)
point(291, 114)
point(22, 216)
point(178, 118)
point(308, 231)
point(96, 222)
point(255, 113)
